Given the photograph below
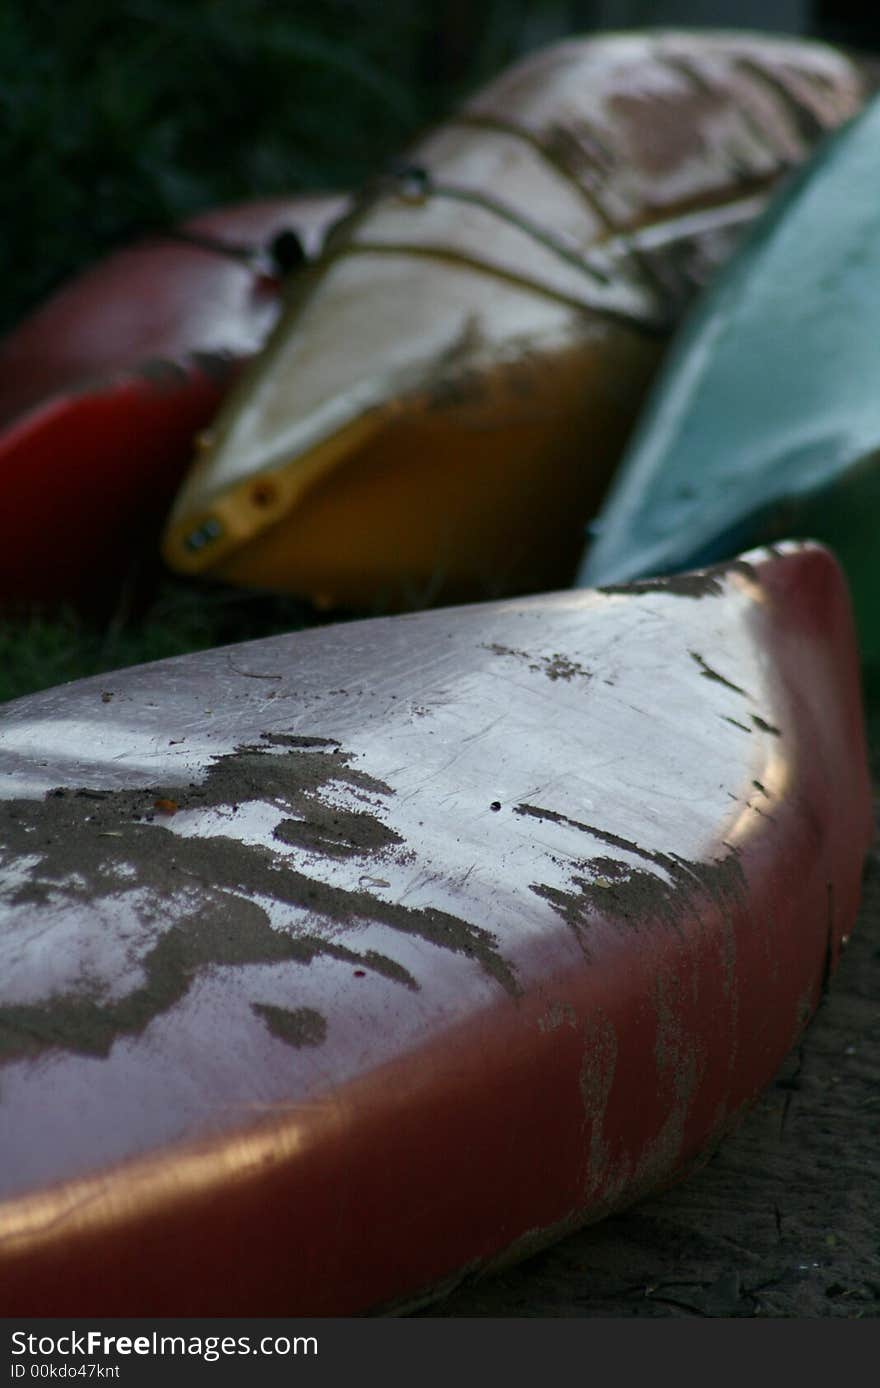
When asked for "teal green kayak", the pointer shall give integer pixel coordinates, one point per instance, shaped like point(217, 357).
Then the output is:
point(766, 421)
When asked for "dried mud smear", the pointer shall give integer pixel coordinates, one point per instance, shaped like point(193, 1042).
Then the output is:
point(782, 1222)
point(634, 895)
point(555, 667)
point(709, 674)
point(300, 1026)
point(707, 583)
point(82, 837)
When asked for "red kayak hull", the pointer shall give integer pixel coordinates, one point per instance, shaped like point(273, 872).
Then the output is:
point(103, 389)
point(627, 882)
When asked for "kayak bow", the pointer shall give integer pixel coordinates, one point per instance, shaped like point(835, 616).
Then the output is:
point(105, 387)
point(338, 965)
point(441, 407)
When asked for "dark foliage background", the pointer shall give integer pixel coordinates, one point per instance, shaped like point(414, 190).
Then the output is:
point(118, 116)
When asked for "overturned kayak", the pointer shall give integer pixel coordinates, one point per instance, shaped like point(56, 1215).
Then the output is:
point(339, 966)
point(104, 388)
point(441, 406)
point(767, 421)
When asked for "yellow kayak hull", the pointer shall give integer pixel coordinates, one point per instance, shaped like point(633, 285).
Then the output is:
point(442, 405)
point(438, 497)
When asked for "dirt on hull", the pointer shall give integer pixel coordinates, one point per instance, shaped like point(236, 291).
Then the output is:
point(783, 1221)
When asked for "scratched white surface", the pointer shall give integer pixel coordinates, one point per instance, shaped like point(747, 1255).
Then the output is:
point(634, 741)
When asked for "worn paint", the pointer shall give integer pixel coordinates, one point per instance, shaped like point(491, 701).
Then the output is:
point(765, 421)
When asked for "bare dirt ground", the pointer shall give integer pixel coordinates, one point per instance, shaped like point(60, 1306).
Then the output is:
point(783, 1221)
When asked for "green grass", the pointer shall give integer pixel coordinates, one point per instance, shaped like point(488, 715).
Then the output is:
point(38, 650)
